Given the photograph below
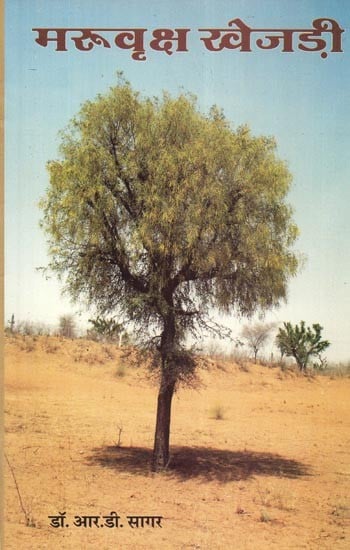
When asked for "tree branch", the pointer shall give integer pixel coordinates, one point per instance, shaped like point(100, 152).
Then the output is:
point(118, 254)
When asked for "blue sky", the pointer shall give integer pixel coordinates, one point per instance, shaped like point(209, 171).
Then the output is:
point(300, 98)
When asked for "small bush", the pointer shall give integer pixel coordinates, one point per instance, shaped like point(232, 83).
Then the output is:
point(218, 412)
point(271, 498)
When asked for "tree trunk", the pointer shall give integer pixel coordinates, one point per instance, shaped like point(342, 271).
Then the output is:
point(166, 391)
point(162, 434)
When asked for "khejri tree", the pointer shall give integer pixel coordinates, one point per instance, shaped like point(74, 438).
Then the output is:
point(163, 214)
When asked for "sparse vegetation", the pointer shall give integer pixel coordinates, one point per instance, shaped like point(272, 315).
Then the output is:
point(26, 328)
point(30, 521)
point(84, 353)
point(273, 498)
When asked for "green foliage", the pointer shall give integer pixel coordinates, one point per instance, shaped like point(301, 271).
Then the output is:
point(302, 343)
point(159, 212)
point(106, 327)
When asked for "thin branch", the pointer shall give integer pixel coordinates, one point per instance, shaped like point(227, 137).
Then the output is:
point(26, 515)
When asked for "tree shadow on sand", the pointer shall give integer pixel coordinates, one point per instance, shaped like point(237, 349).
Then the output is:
point(206, 464)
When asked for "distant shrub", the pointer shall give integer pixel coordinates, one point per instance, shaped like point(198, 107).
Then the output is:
point(302, 343)
point(26, 328)
point(256, 336)
point(108, 330)
point(67, 327)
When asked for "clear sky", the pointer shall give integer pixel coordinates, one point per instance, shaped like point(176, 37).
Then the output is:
point(300, 98)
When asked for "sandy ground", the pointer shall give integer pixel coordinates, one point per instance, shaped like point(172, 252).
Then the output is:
point(274, 472)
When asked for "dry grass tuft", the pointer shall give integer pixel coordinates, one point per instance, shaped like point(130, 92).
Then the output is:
point(265, 517)
point(217, 412)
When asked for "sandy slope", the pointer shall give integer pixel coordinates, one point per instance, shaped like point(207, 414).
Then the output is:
point(273, 473)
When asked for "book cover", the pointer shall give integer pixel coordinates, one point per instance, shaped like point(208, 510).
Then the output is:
point(176, 274)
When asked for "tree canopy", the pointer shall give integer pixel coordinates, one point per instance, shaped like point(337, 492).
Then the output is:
point(160, 212)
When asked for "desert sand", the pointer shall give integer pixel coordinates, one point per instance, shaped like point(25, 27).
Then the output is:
point(273, 472)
